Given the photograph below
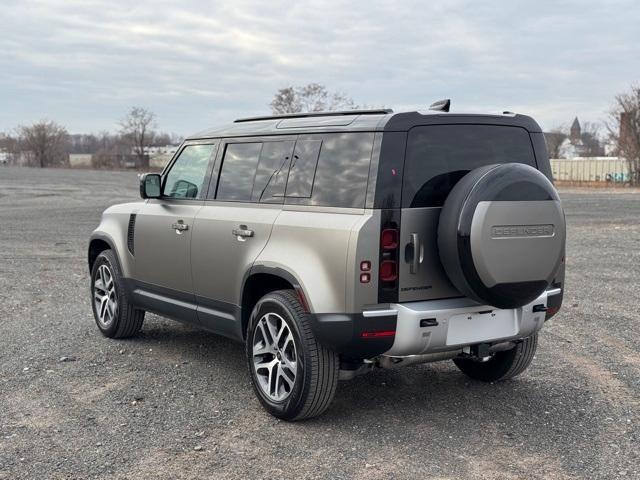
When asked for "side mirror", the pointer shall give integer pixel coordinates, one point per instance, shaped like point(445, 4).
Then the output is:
point(150, 185)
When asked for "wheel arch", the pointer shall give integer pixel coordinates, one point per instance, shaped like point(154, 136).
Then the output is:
point(98, 244)
point(261, 280)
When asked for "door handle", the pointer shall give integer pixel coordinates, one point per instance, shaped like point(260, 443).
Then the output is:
point(242, 232)
point(417, 253)
point(179, 227)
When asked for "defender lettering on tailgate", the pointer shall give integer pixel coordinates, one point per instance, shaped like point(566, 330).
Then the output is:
point(519, 231)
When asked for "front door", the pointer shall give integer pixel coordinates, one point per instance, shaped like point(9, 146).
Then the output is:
point(163, 233)
point(235, 224)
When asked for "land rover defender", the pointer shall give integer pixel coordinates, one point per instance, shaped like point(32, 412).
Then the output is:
point(333, 243)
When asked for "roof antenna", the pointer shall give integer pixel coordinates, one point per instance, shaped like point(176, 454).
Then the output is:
point(441, 105)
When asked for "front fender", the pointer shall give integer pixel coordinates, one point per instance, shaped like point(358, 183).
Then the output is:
point(113, 231)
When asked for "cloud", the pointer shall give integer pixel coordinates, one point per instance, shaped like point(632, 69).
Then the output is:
point(198, 63)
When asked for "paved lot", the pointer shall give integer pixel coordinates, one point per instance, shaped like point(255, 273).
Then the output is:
point(177, 403)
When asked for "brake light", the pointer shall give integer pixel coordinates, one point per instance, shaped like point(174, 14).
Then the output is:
point(389, 239)
point(551, 311)
point(388, 270)
point(378, 334)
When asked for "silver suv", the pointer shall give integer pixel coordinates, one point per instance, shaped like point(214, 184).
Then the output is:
point(335, 243)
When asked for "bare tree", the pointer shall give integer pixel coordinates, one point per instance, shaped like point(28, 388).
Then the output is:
point(554, 139)
point(591, 139)
point(9, 147)
point(138, 127)
point(286, 101)
point(165, 138)
point(624, 130)
point(45, 143)
point(309, 98)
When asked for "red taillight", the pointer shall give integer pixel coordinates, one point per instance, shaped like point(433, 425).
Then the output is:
point(389, 239)
point(551, 311)
point(388, 270)
point(378, 334)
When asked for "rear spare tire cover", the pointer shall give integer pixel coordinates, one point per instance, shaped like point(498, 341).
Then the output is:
point(501, 234)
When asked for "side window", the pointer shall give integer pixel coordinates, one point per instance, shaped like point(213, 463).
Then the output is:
point(271, 175)
point(303, 167)
point(343, 170)
point(238, 171)
point(186, 179)
point(338, 174)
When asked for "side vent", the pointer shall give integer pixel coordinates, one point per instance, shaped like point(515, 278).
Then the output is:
point(131, 232)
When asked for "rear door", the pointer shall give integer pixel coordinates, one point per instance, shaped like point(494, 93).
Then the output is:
point(437, 156)
point(234, 225)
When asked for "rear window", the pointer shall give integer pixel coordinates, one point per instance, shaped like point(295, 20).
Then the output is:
point(238, 170)
point(303, 168)
point(271, 175)
point(440, 155)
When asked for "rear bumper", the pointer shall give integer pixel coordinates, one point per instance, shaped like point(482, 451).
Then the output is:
point(354, 335)
point(416, 328)
point(441, 325)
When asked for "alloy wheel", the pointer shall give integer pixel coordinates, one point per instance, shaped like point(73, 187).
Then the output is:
point(105, 297)
point(275, 359)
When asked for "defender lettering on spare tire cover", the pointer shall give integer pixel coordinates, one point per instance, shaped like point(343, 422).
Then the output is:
point(501, 234)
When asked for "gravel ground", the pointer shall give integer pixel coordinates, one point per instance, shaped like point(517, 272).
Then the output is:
point(176, 402)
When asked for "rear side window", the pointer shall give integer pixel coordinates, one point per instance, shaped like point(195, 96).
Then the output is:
point(271, 175)
point(438, 156)
point(337, 176)
point(238, 170)
point(303, 167)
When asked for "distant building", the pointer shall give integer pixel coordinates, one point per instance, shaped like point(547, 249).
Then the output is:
point(161, 149)
point(573, 146)
point(80, 160)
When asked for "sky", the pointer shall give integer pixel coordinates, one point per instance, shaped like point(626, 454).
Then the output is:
point(198, 64)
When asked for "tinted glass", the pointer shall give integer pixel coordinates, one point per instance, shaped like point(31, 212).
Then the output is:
point(238, 170)
point(303, 167)
point(438, 156)
point(343, 170)
point(271, 175)
point(186, 177)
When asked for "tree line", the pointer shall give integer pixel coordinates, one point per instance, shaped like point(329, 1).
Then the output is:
point(48, 144)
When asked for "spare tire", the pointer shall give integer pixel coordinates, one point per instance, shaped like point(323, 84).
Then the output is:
point(501, 234)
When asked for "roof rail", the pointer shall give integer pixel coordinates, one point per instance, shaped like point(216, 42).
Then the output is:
point(381, 111)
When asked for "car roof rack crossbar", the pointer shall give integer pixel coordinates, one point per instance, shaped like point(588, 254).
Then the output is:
point(381, 111)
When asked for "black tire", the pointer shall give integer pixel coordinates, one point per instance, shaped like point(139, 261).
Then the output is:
point(316, 376)
point(502, 365)
point(127, 320)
